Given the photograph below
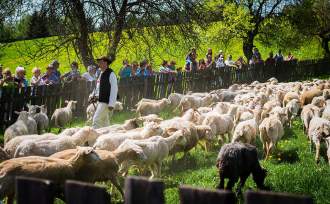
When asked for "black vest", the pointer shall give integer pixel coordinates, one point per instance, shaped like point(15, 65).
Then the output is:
point(105, 86)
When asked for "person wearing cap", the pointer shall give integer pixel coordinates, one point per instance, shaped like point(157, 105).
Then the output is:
point(20, 79)
point(56, 65)
point(90, 75)
point(72, 75)
point(50, 77)
point(106, 91)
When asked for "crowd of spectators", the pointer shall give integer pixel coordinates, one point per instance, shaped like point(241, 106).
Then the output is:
point(52, 74)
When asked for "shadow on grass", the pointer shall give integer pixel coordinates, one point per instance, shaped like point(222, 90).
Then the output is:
point(286, 156)
point(289, 133)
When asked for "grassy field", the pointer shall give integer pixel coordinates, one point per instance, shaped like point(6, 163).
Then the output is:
point(17, 53)
point(290, 169)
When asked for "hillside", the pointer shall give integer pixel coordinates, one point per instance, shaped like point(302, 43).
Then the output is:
point(15, 54)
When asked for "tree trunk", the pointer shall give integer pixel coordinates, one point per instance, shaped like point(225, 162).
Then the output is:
point(82, 35)
point(120, 21)
point(248, 45)
point(325, 45)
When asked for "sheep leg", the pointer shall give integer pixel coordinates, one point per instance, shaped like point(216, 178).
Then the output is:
point(222, 181)
point(241, 184)
point(231, 183)
point(114, 180)
point(264, 147)
point(317, 154)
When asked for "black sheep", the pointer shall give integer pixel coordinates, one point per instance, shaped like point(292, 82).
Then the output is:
point(237, 161)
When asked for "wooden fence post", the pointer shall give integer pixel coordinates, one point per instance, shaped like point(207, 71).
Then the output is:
point(85, 193)
point(33, 190)
point(140, 190)
point(265, 197)
point(190, 195)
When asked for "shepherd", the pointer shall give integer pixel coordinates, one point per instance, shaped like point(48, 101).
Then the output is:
point(106, 92)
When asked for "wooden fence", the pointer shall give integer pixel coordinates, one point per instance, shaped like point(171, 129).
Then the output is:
point(131, 90)
point(140, 190)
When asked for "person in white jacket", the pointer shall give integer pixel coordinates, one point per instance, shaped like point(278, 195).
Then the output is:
point(107, 90)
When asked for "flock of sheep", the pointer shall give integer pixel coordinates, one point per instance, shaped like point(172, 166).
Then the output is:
point(232, 117)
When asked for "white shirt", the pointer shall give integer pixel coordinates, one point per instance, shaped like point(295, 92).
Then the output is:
point(88, 76)
point(113, 91)
point(229, 62)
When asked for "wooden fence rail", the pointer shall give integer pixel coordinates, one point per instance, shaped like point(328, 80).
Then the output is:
point(131, 90)
point(139, 190)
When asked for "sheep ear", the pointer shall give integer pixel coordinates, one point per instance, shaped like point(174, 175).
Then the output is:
point(75, 102)
point(17, 112)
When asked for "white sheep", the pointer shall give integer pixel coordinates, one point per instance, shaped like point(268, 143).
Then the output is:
point(153, 151)
point(246, 131)
point(271, 131)
point(175, 99)
point(190, 101)
point(129, 124)
point(112, 140)
point(18, 128)
point(308, 112)
point(326, 112)
point(63, 116)
point(293, 107)
point(318, 101)
point(91, 108)
point(41, 119)
point(146, 108)
point(49, 147)
point(319, 130)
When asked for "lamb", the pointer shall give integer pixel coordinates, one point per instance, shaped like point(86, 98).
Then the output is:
point(112, 140)
point(104, 169)
point(41, 119)
point(146, 108)
point(307, 96)
point(271, 131)
point(57, 170)
point(49, 147)
point(308, 112)
point(154, 151)
point(293, 107)
point(18, 128)
point(237, 161)
point(63, 116)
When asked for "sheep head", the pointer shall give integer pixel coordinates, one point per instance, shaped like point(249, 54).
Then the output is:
point(84, 155)
point(259, 178)
point(151, 129)
point(71, 104)
point(118, 106)
point(129, 151)
point(204, 131)
point(32, 109)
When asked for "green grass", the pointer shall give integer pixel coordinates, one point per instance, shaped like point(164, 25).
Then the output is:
point(290, 169)
point(16, 53)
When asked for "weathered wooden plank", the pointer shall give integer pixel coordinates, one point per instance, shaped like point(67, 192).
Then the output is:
point(85, 193)
point(190, 195)
point(266, 197)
